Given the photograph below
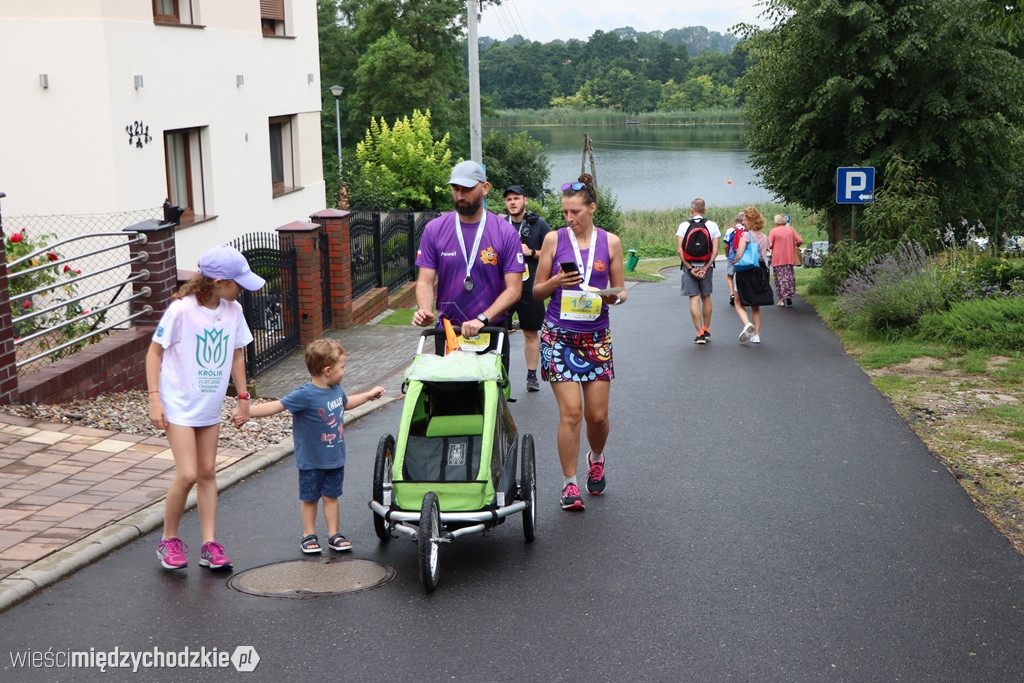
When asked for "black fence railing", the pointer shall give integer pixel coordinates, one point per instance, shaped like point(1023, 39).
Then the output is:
point(272, 312)
point(384, 247)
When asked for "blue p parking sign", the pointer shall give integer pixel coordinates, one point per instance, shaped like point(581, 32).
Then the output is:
point(855, 184)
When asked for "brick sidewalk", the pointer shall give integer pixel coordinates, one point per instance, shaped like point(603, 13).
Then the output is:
point(59, 483)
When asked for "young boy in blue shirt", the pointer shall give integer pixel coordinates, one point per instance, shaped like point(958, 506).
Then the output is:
point(318, 427)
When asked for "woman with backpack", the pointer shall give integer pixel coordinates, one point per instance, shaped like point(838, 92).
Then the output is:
point(753, 286)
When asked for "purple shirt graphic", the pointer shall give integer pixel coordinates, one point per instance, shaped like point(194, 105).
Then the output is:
point(499, 253)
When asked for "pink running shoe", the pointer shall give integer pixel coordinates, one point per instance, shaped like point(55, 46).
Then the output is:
point(595, 476)
point(571, 499)
point(212, 556)
point(171, 553)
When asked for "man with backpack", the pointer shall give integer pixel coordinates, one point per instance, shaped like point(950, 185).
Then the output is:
point(697, 244)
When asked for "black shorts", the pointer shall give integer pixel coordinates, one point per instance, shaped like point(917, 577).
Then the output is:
point(530, 311)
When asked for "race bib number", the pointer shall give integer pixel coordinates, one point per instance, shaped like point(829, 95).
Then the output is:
point(475, 344)
point(580, 306)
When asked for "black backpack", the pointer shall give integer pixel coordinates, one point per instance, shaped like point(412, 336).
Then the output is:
point(697, 240)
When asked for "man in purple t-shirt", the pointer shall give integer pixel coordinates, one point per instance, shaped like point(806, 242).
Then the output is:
point(475, 257)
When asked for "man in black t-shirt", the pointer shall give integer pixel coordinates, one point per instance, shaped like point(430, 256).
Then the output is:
point(532, 229)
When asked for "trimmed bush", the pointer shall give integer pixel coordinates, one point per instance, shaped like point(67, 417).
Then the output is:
point(996, 324)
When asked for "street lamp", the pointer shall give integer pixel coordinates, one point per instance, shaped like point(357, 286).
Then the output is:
point(336, 90)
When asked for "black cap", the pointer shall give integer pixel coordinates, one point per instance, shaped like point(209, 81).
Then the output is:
point(515, 189)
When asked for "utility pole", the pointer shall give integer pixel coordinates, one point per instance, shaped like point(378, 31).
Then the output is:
point(475, 145)
point(588, 152)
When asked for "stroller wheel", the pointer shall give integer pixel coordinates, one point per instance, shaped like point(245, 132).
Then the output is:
point(528, 487)
point(382, 482)
point(429, 536)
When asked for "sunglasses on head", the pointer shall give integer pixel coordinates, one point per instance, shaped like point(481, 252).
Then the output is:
point(575, 187)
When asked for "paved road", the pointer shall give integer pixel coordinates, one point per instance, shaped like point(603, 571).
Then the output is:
point(769, 518)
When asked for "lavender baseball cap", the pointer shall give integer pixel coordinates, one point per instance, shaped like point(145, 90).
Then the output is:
point(227, 263)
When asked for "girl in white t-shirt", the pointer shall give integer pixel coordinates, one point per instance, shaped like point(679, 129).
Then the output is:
point(198, 346)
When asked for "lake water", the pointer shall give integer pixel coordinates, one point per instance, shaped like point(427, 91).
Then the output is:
point(658, 167)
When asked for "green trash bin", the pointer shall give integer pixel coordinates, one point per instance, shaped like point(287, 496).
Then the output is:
point(632, 260)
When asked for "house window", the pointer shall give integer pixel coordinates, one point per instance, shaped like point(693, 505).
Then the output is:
point(272, 17)
point(173, 12)
point(185, 172)
point(282, 158)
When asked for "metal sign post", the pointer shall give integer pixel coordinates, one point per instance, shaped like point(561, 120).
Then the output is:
point(855, 185)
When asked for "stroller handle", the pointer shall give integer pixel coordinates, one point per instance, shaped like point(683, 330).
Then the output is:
point(436, 332)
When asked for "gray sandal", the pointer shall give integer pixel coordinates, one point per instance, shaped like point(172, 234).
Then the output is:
point(338, 543)
point(311, 545)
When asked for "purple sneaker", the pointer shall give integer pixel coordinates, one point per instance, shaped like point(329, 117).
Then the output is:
point(595, 476)
point(212, 556)
point(571, 499)
point(171, 553)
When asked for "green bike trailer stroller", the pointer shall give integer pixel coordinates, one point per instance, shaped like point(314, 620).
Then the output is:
point(458, 466)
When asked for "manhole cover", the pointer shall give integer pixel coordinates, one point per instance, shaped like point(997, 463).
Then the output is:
point(312, 579)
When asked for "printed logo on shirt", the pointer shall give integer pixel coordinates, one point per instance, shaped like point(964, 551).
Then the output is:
point(489, 256)
point(211, 357)
point(160, 331)
point(335, 426)
point(600, 265)
point(212, 348)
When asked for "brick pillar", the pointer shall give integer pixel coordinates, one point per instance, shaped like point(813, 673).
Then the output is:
point(161, 265)
point(339, 247)
point(306, 238)
point(8, 367)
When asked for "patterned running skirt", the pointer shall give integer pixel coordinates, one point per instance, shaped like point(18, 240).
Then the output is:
point(567, 356)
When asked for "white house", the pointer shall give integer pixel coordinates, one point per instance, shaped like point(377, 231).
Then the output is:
point(111, 106)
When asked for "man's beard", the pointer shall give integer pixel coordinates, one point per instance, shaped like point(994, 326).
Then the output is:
point(468, 208)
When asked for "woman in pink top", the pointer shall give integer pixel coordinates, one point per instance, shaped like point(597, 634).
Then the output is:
point(784, 241)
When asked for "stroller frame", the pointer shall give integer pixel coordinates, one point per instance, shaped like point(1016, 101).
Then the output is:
point(459, 465)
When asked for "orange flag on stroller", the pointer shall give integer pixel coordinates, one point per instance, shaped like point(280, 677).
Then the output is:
point(452, 339)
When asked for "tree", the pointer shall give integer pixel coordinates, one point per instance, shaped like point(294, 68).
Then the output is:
point(852, 84)
point(516, 160)
point(402, 166)
point(410, 55)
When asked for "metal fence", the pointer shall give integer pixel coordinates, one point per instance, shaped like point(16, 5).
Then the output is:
point(384, 247)
point(272, 313)
point(67, 293)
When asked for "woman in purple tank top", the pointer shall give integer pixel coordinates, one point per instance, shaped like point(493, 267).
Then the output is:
point(580, 268)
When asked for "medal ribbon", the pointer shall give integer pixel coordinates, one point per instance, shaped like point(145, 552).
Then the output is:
point(476, 242)
point(588, 271)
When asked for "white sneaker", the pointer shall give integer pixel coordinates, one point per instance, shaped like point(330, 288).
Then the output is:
point(756, 339)
point(747, 333)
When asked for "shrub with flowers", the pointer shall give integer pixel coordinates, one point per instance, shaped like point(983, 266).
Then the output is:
point(59, 279)
point(892, 291)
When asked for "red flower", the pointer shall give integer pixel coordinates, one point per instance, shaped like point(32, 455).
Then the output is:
point(50, 255)
point(66, 267)
point(78, 272)
point(27, 304)
point(17, 237)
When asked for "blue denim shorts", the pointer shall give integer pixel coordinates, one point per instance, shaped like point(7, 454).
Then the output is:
point(317, 484)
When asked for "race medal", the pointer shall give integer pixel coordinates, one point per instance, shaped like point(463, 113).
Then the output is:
point(468, 284)
point(580, 306)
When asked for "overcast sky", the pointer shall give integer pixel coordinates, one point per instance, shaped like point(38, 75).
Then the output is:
point(545, 20)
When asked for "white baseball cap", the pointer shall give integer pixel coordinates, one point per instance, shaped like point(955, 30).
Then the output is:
point(227, 263)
